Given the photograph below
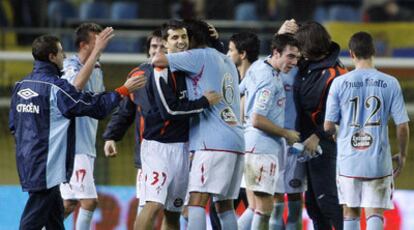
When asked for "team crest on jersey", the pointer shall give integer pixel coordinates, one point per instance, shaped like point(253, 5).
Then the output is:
point(27, 93)
point(361, 140)
point(228, 116)
point(263, 98)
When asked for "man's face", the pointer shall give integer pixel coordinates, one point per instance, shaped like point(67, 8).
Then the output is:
point(90, 44)
point(155, 46)
point(177, 40)
point(58, 57)
point(234, 54)
point(286, 60)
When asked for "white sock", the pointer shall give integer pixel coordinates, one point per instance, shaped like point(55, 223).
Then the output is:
point(183, 222)
point(276, 218)
point(375, 222)
point(295, 215)
point(84, 219)
point(228, 220)
point(260, 221)
point(245, 220)
point(351, 224)
point(196, 218)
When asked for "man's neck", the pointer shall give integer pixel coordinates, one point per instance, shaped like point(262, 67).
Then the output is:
point(363, 63)
point(243, 68)
point(83, 57)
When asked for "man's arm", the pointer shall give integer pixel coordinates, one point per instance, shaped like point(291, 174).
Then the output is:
point(403, 138)
point(329, 127)
point(160, 60)
point(172, 107)
point(85, 72)
point(264, 124)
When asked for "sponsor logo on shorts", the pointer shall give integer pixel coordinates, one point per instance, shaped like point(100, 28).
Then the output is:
point(361, 140)
point(228, 116)
point(295, 183)
point(178, 202)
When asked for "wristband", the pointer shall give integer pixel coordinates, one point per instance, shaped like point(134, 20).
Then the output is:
point(123, 90)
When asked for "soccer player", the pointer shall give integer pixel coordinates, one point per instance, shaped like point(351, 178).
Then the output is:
point(361, 102)
point(216, 134)
point(164, 150)
point(130, 110)
point(292, 174)
point(243, 51)
point(83, 71)
point(264, 132)
point(42, 112)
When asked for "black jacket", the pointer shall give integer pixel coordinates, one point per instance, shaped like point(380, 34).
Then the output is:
point(311, 88)
point(155, 120)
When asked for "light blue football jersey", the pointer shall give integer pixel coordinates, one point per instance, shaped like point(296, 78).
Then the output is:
point(362, 101)
point(264, 95)
point(217, 128)
point(290, 107)
point(86, 127)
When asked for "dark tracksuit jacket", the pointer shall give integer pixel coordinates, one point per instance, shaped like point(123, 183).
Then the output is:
point(162, 109)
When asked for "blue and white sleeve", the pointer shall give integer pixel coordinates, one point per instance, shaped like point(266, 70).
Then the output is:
point(190, 61)
point(398, 110)
point(263, 98)
point(333, 104)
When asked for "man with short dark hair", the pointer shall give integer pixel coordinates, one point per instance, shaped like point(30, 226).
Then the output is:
point(164, 150)
point(83, 70)
point(264, 132)
point(42, 112)
point(129, 111)
point(217, 164)
point(361, 102)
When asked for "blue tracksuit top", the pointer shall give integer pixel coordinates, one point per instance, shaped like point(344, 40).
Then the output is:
point(42, 112)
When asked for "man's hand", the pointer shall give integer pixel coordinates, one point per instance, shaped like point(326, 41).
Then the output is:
point(110, 148)
point(212, 97)
point(311, 144)
point(400, 162)
point(102, 40)
point(292, 136)
point(289, 26)
point(135, 83)
point(213, 32)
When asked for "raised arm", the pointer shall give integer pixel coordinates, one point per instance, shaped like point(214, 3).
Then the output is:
point(85, 72)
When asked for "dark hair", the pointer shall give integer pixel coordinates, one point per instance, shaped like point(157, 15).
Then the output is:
point(171, 25)
point(155, 34)
point(82, 32)
point(280, 41)
point(43, 46)
point(248, 42)
point(314, 40)
point(362, 45)
point(198, 33)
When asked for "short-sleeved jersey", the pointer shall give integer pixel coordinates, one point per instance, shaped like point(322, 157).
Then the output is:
point(219, 127)
point(86, 127)
point(362, 101)
point(264, 95)
point(290, 108)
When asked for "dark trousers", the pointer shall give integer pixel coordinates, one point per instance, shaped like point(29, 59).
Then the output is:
point(43, 209)
point(321, 198)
